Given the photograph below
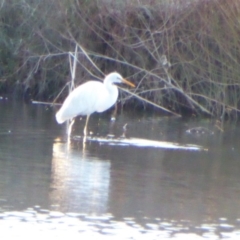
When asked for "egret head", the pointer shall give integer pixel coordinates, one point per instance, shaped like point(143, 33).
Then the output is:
point(115, 77)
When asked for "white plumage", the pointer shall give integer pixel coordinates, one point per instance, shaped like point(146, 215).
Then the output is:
point(90, 97)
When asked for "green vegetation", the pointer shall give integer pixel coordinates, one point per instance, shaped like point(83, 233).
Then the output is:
point(183, 56)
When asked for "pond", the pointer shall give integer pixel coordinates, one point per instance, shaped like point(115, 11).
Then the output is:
point(109, 186)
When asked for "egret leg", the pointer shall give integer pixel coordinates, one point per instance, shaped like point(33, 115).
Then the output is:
point(70, 127)
point(114, 114)
point(86, 124)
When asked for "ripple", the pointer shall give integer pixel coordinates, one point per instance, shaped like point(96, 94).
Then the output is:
point(56, 214)
point(44, 223)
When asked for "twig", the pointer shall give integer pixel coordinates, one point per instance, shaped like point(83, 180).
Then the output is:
point(46, 103)
point(149, 102)
point(73, 67)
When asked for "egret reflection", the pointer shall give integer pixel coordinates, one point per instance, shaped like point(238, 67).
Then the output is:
point(79, 182)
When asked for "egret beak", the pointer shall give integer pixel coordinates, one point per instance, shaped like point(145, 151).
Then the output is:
point(127, 82)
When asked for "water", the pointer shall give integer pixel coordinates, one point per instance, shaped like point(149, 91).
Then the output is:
point(50, 186)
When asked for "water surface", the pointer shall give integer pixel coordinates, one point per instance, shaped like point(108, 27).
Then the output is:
point(49, 184)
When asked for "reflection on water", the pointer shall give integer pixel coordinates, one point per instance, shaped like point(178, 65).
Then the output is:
point(79, 179)
point(49, 224)
point(107, 189)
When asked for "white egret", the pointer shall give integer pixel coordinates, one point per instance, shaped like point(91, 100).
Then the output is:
point(90, 97)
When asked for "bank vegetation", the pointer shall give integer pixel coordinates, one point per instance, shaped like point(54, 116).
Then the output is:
point(183, 56)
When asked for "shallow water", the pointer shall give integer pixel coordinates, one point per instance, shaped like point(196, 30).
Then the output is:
point(52, 186)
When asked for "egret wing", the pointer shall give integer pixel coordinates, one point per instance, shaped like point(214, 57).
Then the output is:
point(81, 101)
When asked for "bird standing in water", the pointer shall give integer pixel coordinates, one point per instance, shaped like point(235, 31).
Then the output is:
point(90, 97)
